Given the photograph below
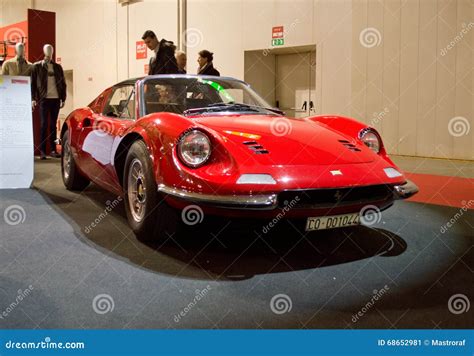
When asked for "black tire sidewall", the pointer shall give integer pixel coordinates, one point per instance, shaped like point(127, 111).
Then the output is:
point(145, 228)
point(75, 181)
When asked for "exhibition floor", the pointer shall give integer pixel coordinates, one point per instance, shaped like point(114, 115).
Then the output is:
point(411, 260)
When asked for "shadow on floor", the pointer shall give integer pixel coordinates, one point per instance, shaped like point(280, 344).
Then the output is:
point(219, 248)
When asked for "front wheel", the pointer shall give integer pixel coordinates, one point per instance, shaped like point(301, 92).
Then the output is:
point(72, 178)
point(148, 214)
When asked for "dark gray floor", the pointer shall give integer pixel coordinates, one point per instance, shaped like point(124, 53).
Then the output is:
point(328, 277)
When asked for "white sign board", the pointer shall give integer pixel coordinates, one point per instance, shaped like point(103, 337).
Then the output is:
point(16, 133)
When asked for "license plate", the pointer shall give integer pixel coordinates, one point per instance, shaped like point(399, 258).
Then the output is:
point(332, 222)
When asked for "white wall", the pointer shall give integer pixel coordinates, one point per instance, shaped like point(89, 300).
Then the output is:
point(403, 85)
point(409, 77)
point(12, 11)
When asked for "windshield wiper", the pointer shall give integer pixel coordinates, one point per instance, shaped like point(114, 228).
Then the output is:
point(232, 106)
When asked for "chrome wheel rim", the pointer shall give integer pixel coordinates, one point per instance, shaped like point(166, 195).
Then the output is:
point(136, 190)
point(67, 157)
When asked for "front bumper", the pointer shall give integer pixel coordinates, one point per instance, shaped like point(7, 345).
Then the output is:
point(266, 201)
point(256, 202)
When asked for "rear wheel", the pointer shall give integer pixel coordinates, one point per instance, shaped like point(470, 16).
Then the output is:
point(148, 214)
point(72, 178)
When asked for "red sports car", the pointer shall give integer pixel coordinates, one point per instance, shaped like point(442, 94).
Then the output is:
point(168, 142)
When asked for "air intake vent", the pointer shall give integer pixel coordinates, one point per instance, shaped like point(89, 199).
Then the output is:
point(349, 145)
point(256, 147)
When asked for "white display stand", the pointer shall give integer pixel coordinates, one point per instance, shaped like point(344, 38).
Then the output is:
point(16, 133)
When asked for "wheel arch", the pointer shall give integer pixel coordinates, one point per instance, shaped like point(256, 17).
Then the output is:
point(122, 151)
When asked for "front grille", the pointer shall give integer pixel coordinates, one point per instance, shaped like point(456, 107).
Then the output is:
point(314, 198)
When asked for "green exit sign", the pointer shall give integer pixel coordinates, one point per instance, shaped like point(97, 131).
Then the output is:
point(278, 42)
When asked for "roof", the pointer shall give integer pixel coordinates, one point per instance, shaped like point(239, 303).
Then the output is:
point(134, 80)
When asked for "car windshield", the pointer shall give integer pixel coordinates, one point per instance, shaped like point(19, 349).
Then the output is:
point(202, 95)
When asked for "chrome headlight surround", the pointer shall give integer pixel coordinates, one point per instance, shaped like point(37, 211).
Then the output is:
point(194, 148)
point(371, 139)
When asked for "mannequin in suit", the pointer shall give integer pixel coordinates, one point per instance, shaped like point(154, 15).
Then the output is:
point(48, 88)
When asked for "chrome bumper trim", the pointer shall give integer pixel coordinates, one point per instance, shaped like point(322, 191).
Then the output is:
point(257, 202)
point(406, 190)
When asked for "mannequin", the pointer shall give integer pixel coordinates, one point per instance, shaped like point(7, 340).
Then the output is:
point(18, 65)
point(48, 88)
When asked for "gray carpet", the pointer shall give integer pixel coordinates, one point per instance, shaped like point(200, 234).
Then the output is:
point(224, 274)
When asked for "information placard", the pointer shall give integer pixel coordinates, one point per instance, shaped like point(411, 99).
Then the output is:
point(16, 133)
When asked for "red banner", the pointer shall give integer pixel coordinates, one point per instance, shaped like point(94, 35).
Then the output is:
point(14, 33)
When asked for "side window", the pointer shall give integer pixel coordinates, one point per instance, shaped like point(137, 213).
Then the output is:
point(121, 103)
point(97, 104)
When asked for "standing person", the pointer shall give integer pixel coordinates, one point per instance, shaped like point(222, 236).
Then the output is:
point(181, 60)
point(18, 65)
point(206, 67)
point(48, 88)
point(164, 61)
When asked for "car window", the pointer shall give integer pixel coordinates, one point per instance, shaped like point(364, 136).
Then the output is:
point(178, 95)
point(121, 103)
point(97, 104)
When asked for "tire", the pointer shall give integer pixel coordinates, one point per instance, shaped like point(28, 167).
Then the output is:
point(72, 178)
point(149, 216)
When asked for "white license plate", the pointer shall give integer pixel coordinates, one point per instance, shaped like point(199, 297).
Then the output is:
point(332, 222)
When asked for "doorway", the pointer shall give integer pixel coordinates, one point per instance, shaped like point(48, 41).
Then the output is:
point(285, 77)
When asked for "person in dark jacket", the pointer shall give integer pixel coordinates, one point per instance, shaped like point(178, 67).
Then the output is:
point(206, 66)
point(164, 61)
point(48, 89)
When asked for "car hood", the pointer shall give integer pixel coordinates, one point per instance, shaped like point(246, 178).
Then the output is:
point(276, 140)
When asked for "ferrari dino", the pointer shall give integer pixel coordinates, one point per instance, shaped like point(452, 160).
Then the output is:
point(168, 142)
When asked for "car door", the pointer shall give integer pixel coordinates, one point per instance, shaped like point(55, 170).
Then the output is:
point(103, 132)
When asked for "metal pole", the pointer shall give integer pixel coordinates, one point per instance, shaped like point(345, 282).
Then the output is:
point(182, 24)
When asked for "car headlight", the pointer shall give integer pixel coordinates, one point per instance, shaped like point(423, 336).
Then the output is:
point(371, 139)
point(194, 148)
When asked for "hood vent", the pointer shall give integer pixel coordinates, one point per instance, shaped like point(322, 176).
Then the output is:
point(256, 147)
point(349, 145)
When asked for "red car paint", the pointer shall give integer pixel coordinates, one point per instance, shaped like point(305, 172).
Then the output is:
point(300, 160)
